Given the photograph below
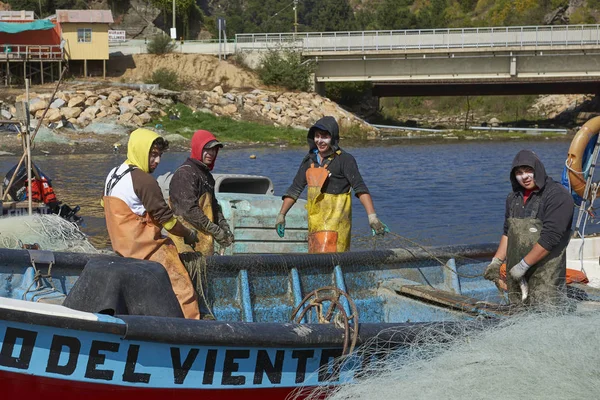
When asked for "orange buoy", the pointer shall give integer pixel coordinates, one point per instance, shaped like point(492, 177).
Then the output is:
point(575, 155)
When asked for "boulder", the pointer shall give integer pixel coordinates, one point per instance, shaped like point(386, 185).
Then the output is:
point(5, 114)
point(76, 101)
point(58, 103)
point(36, 105)
point(71, 112)
point(230, 109)
point(54, 115)
point(218, 90)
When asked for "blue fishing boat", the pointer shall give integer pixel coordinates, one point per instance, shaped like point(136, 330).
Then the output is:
point(98, 326)
point(281, 320)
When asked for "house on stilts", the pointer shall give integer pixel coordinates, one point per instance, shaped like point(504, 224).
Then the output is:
point(38, 48)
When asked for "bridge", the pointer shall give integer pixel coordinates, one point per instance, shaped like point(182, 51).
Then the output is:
point(466, 61)
point(504, 60)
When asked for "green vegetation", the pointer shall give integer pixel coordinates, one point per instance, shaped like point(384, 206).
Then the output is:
point(161, 44)
point(285, 68)
point(506, 108)
point(227, 129)
point(166, 79)
point(347, 93)
point(246, 16)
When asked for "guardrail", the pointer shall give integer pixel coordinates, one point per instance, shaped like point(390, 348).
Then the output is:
point(140, 46)
point(394, 40)
point(30, 52)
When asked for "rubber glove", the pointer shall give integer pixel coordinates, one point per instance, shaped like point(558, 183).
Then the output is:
point(280, 225)
point(229, 238)
point(492, 271)
point(222, 236)
point(518, 271)
point(377, 227)
point(191, 238)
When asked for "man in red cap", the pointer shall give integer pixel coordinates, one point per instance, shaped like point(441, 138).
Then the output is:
point(192, 196)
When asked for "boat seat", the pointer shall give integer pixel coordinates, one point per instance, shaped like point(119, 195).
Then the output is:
point(124, 286)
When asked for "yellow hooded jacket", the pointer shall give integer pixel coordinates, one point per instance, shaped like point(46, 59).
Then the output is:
point(138, 149)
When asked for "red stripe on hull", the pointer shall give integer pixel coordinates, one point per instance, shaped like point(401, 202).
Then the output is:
point(14, 386)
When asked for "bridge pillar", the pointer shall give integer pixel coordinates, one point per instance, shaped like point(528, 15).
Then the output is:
point(316, 86)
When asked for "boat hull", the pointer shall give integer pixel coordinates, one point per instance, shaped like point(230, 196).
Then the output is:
point(16, 385)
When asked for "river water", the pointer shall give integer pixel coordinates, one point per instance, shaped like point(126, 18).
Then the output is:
point(432, 193)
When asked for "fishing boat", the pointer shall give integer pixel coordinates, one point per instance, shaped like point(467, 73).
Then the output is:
point(266, 340)
point(81, 325)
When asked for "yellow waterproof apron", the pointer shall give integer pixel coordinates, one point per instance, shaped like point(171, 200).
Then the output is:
point(205, 243)
point(329, 215)
point(139, 237)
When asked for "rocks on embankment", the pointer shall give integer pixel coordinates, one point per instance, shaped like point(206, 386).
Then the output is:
point(298, 110)
point(80, 108)
point(133, 108)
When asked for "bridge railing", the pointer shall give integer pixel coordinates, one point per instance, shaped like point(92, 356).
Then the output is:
point(399, 40)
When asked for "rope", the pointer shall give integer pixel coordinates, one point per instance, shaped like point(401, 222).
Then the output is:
point(442, 263)
point(313, 303)
point(195, 263)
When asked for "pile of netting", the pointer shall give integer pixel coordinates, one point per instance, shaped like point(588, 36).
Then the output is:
point(533, 356)
point(47, 231)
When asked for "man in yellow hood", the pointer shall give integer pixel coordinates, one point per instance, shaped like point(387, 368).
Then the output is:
point(136, 212)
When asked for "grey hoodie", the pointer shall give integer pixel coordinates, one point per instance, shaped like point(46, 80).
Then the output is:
point(556, 204)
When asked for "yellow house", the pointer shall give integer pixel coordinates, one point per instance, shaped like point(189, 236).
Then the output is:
point(85, 36)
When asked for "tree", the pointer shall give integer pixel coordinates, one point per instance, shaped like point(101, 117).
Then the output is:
point(329, 15)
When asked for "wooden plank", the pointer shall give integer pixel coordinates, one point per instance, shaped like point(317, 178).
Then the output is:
point(448, 299)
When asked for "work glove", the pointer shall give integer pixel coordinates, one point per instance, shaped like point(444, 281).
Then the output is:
point(223, 237)
point(518, 271)
point(280, 225)
point(191, 238)
point(492, 271)
point(377, 227)
point(230, 238)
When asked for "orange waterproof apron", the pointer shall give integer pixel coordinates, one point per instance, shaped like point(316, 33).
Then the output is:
point(139, 237)
point(205, 243)
point(329, 215)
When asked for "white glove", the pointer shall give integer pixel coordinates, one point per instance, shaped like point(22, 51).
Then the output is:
point(518, 271)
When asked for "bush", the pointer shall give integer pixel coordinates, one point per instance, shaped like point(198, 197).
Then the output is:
point(285, 68)
point(166, 79)
point(161, 44)
point(348, 93)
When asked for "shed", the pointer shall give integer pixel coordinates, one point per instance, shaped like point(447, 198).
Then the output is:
point(28, 48)
point(85, 35)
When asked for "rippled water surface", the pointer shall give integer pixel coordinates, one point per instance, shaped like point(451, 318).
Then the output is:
point(433, 193)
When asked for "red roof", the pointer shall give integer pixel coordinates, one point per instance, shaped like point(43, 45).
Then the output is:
point(85, 16)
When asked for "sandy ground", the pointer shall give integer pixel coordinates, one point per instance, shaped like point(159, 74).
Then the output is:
point(196, 70)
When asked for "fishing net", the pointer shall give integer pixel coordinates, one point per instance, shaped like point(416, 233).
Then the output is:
point(533, 355)
point(49, 231)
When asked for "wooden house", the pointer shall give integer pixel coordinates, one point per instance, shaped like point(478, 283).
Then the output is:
point(85, 36)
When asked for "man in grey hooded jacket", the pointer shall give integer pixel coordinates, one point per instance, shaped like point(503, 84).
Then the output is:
point(537, 229)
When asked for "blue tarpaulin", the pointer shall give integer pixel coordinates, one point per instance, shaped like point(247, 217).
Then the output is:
point(12, 27)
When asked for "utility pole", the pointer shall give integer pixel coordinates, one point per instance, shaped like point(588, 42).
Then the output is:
point(173, 30)
point(295, 16)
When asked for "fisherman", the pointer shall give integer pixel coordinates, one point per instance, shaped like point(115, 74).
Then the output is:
point(330, 173)
point(537, 229)
point(136, 211)
point(192, 197)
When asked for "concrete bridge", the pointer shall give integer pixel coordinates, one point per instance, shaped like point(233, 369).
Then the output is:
point(505, 60)
point(476, 61)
